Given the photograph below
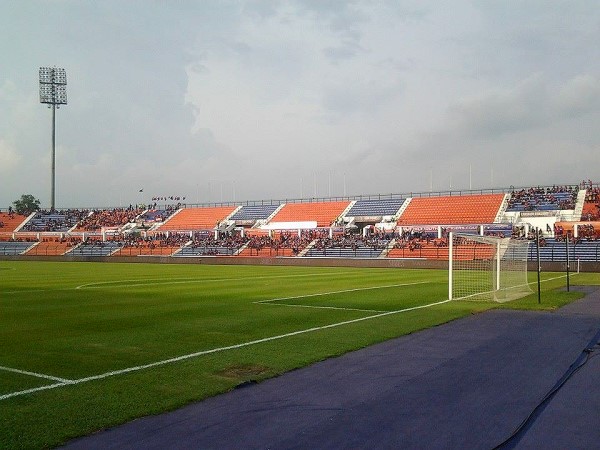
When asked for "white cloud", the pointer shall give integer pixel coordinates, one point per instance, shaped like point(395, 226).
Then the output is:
point(270, 95)
point(531, 104)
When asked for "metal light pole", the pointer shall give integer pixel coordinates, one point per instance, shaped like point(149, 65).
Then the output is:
point(53, 92)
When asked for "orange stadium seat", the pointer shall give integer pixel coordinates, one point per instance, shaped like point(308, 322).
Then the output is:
point(50, 248)
point(197, 218)
point(449, 210)
point(590, 211)
point(324, 213)
point(10, 222)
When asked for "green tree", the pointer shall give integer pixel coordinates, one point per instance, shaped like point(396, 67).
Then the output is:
point(26, 204)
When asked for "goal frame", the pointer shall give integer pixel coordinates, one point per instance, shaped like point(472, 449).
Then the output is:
point(498, 276)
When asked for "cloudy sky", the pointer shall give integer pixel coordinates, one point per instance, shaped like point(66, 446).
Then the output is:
point(250, 100)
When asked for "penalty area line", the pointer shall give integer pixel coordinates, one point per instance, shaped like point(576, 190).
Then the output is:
point(339, 308)
point(214, 350)
point(35, 374)
point(343, 291)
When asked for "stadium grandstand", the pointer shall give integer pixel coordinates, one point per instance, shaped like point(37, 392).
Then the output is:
point(398, 226)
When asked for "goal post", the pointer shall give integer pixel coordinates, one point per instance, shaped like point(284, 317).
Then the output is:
point(487, 268)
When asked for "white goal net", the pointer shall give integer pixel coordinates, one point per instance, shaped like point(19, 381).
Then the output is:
point(487, 268)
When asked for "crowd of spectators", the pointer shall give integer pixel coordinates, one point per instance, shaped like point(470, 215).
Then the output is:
point(413, 243)
point(53, 221)
point(352, 241)
point(536, 198)
point(157, 240)
point(117, 217)
point(592, 196)
point(153, 214)
point(164, 198)
point(588, 232)
point(97, 243)
point(223, 244)
point(19, 239)
point(286, 240)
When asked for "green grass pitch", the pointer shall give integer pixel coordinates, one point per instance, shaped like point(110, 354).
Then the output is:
point(85, 346)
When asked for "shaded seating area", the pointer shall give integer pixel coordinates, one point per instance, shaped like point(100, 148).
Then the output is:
point(197, 218)
point(451, 209)
point(375, 208)
point(323, 213)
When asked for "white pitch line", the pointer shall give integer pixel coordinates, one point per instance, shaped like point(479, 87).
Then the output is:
point(320, 307)
point(64, 382)
point(138, 282)
point(34, 374)
point(320, 294)
point(32, 390)
point(214, 350)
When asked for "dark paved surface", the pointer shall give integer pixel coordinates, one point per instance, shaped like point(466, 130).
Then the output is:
point(465, 385)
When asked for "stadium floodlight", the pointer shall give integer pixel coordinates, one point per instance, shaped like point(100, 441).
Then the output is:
point(53, 92)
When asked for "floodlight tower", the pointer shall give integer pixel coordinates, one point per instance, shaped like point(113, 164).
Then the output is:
point(53, 92)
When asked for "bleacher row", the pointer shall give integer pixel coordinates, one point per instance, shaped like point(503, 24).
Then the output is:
point(363, 228)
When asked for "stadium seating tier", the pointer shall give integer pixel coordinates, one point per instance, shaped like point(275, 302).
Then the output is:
point(452, 210)
point(197, 218)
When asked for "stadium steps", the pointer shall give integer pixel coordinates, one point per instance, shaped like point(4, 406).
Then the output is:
point(579, 205)
point(27, 219)
point(502, 210)
point(268, 219)
point(403, 208)
point(345, 212)
point(306, 249)
point(171, 217)
point(387, 249)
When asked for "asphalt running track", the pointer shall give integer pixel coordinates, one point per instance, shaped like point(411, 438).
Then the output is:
point(464, 385)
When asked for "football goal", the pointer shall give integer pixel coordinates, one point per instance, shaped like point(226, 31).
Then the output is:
point(487, 268)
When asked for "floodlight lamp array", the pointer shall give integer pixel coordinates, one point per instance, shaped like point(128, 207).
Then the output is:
point(53, 86)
